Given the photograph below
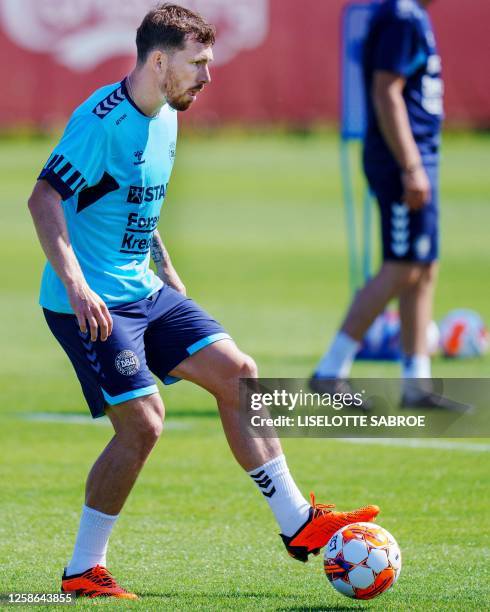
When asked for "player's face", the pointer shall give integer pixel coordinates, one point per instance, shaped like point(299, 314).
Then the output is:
point(187, 74)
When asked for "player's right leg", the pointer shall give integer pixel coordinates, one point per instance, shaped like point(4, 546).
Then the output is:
point(137, 425)
point(115, 380)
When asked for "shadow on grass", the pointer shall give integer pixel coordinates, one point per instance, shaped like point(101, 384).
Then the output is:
point(251, 595)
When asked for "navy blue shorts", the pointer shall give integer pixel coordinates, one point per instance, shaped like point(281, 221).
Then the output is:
point(152, 335)
point(411, 236)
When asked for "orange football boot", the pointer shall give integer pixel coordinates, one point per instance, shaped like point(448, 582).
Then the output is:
point(322, 523)
point(94, 582)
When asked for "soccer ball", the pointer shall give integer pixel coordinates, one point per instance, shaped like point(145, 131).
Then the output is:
point(463, 334)
point(382, 340)
point(362, 560)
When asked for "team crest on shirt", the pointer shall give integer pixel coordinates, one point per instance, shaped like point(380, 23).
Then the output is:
point(171, 150)
point(127, 363)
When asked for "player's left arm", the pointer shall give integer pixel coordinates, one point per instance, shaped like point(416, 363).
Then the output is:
point(163, 263)
point(398, 54)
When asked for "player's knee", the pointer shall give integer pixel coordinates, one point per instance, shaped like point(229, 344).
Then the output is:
point(410, 277)
point(146, 435)
point(150, 425)
point(241, 366)
point(407, 276)
point(430, 273)
point(144, 423)
point(149, 430)
point(248, 368)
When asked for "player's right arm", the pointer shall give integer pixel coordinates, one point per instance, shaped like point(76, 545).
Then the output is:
point(47, 213)
point(397, 56)
point(76, 163)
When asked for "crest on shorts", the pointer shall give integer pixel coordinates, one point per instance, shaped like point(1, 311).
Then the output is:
point(423, 246)
point(127, 363)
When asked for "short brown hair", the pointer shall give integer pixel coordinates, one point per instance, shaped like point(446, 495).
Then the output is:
point(167, 26)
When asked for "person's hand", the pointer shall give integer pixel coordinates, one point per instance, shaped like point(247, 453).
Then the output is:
point(416, 187)
point(91, 311)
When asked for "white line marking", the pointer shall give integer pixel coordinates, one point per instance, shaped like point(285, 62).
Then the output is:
point(84, 419)
point(420, 443)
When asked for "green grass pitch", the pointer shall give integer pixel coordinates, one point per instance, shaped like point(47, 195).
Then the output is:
point(255, 227)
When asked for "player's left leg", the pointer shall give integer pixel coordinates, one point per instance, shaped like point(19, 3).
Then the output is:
point(415, 315)
point(218, 369)
point(305, 528)
point(416, 301)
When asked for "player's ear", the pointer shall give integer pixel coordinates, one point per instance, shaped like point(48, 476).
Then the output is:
point(158, 61)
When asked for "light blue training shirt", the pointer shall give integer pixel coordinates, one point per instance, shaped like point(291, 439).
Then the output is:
point(111, 167)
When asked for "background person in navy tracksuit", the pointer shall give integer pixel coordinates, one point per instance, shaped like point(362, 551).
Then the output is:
point(402, 71)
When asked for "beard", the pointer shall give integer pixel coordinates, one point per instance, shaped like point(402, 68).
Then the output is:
point(175, 98)
point(179, 104)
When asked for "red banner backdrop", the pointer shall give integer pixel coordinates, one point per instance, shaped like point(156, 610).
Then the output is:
point(276, 60)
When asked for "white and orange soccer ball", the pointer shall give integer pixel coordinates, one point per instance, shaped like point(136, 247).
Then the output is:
point(362, 560)
point(463, 334)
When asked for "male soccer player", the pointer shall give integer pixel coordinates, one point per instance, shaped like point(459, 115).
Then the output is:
point(402, 70)
point(96, 208)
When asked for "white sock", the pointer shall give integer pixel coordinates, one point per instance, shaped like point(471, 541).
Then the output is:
point(283, 496)
point(416, 366)
point(92, 539)
point(337, 361)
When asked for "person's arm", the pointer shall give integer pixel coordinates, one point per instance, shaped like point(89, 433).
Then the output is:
point(396, 56)
point(398, 51)
point(163, 263)
point(49, 220)
point(391, 112)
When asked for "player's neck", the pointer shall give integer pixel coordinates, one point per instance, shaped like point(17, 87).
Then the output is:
point(144, 93)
